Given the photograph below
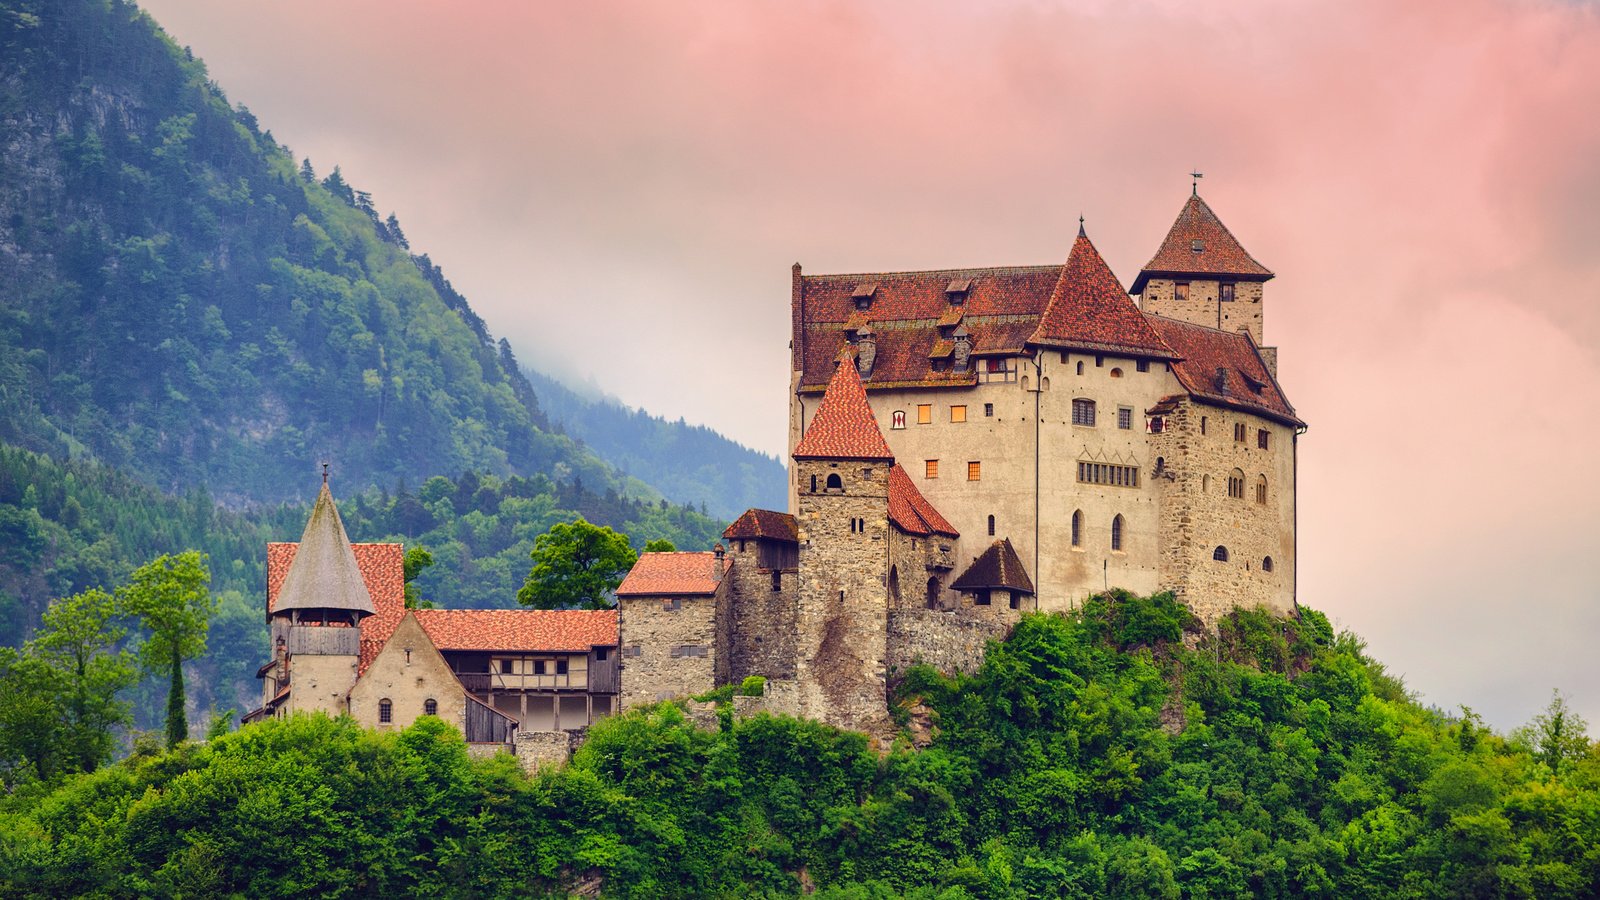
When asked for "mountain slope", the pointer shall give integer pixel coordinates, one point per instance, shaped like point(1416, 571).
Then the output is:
point(688, 463)
point(180, 299)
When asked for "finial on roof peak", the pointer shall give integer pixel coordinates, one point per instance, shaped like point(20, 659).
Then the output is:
point(1081, 232)
point(324, 474)
point(1195, 186)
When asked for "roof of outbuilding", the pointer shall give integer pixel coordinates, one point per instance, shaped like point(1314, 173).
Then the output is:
point(997, 567)
point(1089, 310)
point(524, 630)
point(324, 573)
point(1219, 253)
point(1247, 383)
point(676, 574)
point(843, 426)
point(910, 511)
point(763, 524)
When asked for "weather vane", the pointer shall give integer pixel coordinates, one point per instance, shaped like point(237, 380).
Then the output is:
point(1080, 226)
point(1196, 176)
point(324, 473)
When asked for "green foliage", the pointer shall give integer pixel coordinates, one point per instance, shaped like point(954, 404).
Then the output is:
point(1053, 773)
point(576, 564)
point(171, 598)
point(416, 559)
point(660, 545)
point(753, 686)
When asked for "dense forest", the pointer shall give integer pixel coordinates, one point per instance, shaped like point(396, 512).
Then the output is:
point(1092, 755)
point(689, 463)
point(183, 300)
point(71, 527)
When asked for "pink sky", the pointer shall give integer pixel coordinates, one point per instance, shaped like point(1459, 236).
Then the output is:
point(620, 188)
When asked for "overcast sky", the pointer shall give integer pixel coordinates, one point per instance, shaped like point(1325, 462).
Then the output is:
point(620, 189)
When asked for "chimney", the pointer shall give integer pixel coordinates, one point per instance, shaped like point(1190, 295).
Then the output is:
point(963, 351)
point(866, 351)
point(1222, 380)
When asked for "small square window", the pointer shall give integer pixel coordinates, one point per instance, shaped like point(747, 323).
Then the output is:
point(507, 666)
point(1180, 290)
point(1143, 365)
point(1225, 292)
point(974, 471)
point(988, 410)
point(1083, 412)
point(601, 654)
point(958, 413)
point(539, 667)
point(924, 413)
point(1263, 439)
point(1125, 417)
point(672, 604)
point(930, 468)
point(561, 667)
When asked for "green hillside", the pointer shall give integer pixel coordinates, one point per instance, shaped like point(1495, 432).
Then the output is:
point(1092, 756)
point(180, 298)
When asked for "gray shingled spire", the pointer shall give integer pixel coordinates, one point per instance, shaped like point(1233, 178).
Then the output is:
point(324, 574)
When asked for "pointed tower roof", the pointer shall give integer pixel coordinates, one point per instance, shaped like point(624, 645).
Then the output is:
point(1089, 310)
point(1199, 244)
point(998, 567)
point(844, 427)
point(324, 573)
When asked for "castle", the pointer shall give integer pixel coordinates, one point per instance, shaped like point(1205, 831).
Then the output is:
point(967, 444)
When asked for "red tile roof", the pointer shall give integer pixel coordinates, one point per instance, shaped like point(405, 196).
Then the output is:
point(910, 511)
point(528, 630)
point(843, 426)
point(382, 569)
point(1246, 383)
point(764, 523)
point(1089, 310)
point(1220, 252)
point(998, 567)
point(680, 574)
point(999, 312)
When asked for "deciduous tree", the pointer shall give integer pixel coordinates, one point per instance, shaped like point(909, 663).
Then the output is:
point(171, 597)
point(576, 564)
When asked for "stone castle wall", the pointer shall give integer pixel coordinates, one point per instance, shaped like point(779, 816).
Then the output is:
point(1198, 515)
point(1243, 313)
point(843, 610)
point(950, 641)
point(669, 646)
point(761, 640)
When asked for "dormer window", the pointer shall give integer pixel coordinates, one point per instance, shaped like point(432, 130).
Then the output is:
point(862, 295)
point(958, 289)
point(1197, 245)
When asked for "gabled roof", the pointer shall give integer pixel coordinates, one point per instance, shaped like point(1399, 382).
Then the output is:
point(844, 427)
point(999, 310)
point(910, 511)
point(998, 567)
point(677, 574)
point(526, 630)
point(324, 574)
point(764, 524)
point(1218, 253)
point(1089, 310)
point(1246, 382)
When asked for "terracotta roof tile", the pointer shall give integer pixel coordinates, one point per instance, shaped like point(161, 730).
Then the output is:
point(764, 523)
point(682, 574)
point(534, 630)
point(1219, 253)
point(843, 427)
point(1090, 310)
point(910, 511)
point(382, 570)
point(1250, 386)
point(997, 567)
point(1000, 310)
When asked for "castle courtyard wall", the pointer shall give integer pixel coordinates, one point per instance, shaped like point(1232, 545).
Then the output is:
point(669, 645)
point(762, 635)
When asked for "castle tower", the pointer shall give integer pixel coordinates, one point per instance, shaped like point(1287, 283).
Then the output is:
point(842, 468)
point(316, 621)
point(1204, 276)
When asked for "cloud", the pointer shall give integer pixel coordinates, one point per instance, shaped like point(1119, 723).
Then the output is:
point(620, 189)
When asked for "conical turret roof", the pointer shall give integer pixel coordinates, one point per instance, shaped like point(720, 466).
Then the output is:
point(1089, 310)
point(324, 574)
point(1199, 244)
point(844, 427)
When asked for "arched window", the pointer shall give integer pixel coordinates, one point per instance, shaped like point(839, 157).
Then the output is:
point(1077, 528)
point(835, 483)
point(1080, 367)
point(1236, 484)
point(1266, 564)
point(1205, 484)
point(1261, 489)
point(1116, 373)
point(898, 419)
point(1220, 554)
point(894, 585)
point(991, 526)
point(430, 707)
point(1116, 532)
point(385, 710)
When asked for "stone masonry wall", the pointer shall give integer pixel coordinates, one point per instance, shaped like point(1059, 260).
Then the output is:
point(1244, 313)
point(408, 672)
point(950, 641)
point(843, 609)
point(538, 749)
point(668, 646)
point(762, 639)
point(1198, 516)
